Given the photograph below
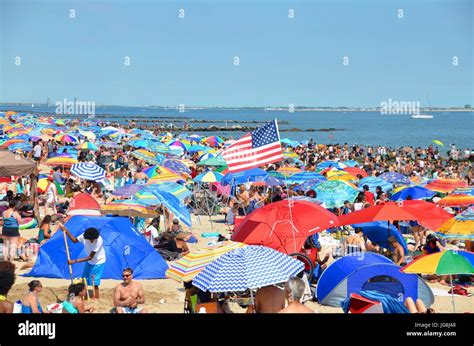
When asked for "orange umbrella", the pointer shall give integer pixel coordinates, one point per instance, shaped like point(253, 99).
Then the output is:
point(460, 200)
point(355, 171)
point(445, 185)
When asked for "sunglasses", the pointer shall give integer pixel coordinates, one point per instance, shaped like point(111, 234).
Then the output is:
point(126, 275)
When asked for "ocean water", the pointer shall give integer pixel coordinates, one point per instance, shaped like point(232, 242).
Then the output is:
point(369, 128)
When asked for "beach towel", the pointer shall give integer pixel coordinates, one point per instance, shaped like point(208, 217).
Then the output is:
point(390, 304)
point(210, 234)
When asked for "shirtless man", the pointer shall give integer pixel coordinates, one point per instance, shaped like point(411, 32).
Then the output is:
point(294, 290)
point(128, 295)
point(269, 299)
point(244, 200)
point(398, 254)
point(355, 243)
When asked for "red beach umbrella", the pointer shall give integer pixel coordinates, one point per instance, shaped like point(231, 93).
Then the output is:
point(284, 225)
point(355, 171)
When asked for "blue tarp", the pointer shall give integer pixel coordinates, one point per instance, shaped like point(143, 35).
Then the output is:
point(124, 247)
point(378, 233)
point(390, 305)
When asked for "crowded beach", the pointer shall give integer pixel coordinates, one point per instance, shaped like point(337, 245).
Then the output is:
point(105, 219)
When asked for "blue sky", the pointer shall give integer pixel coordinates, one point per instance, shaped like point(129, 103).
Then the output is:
point(282, 61)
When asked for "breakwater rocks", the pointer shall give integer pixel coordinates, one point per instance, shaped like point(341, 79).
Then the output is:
point(234, 128)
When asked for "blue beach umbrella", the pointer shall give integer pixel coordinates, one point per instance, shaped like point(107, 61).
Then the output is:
point(333, 193)
point(309, 185)
point(395, 178)
point(88, 171)
point(416, 192)
point(378, 233)
point(302, 177)
point(328, 164)
point(249, 267)
point(128, 190)
point(174, 205)
point(176, 166)
point(250, 175)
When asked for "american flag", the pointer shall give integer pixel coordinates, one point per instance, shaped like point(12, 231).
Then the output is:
point(255, 149)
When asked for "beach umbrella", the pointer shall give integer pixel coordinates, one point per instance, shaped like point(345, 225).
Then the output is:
point(448, 262)
point(456, 200)
point(87, 146)
point(431, 215)
point(355, 171)
point(288, 171)
point(445, 185)
point(130, 208)
point(112, 145)
point(9, 142)
point(395, 178)
point(373, 182)
point(309, 185)
point(206, 156)
point(279, 175)
point(145, 196)
point(177, 145)
point(377, 233)
point(249, 267)
point(88, 171)
point(459, 227)
point(145, 155)
point(305, 176)
point(177, 190)
point(128, 190)
point(351, 163)
point(208, 177)
point(249, 175)
point(197, 148)
point(186, 268)
point(139, 143)
point(284, 225)
point(334, 193)
point(416, 192)
point(63, 161)
point(330, 164)
point(176, 166)
point(174, 205)
point(159, 174)
point(337, 174)
point(20, 146)
point(88, 134)
point(464, 191)
point(213, 141)
point(66, 138)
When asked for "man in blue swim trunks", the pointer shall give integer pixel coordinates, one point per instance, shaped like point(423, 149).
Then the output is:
point(95, 262)
point(128, 295)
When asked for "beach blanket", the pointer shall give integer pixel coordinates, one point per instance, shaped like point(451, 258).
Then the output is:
point(390, 304)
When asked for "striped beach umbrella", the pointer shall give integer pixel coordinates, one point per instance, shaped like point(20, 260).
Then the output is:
point(128, 190)
point(209, 177)
point(213, 161)
point(186, 268)
point(309, 185)
point(177, 190)
point(66, 138)
point(445, 185)
point(456, 200)
point(249, 267)
point(63, 161)
point(448, 262)
point(145, 155)
point(87, 146)
point(88, 171)
point(330, 164)
point(129, 208)
point(464, 191)
point(459, 227)
point(23, 146)
point(339, 174)
point(159, 174)
point(305, 176)
point(288, 171)
point(334, 193)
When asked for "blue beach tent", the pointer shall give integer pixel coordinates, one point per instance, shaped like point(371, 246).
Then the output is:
point(124, 247)
point(369, 272)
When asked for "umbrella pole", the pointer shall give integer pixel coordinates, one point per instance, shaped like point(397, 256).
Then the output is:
point(251, 299)
point(452, 291)
point(68, 256)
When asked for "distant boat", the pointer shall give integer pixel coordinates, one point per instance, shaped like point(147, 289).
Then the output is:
point(422, 116)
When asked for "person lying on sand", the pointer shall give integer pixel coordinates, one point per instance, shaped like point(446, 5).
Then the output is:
point(128, 295)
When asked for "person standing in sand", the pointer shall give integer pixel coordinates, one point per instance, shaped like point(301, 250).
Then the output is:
point(294, 290)
point(128, 295)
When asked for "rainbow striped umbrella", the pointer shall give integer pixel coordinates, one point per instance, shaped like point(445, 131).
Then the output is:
point(130, 208)
point(11, 141)
point(209, 177)
point(65, 138)
point(447, 262)
point(464, 191)
point(445, 185)
point(145, 155)
point(459, 227)
point(337, 174)
point(60, 161)
point(456, 200)
point(288, 171)
point(186, 268)
point(177, 190)
point(213, 141)
point(177, 144)
point(159, 174)
point(87, 146)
